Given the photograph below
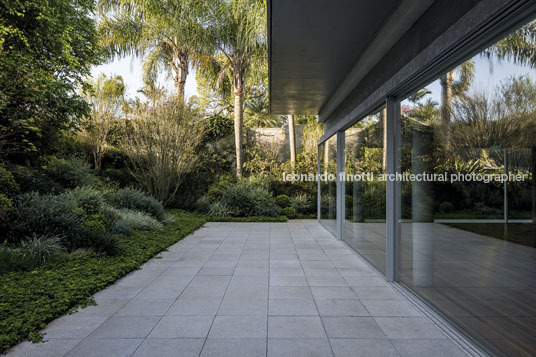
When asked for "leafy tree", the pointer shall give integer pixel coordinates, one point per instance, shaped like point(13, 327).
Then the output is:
point(106, 97)
point(169, 33)
point(238, 33)
point(46, 50)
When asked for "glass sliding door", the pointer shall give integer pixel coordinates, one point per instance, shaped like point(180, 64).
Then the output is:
point(328, 184)
point(365, 160)
point(468, 239)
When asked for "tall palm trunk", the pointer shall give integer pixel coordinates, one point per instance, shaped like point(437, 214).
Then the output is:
point(447, 81)
point(179, 67)
point(238, 92)
point(292, 142)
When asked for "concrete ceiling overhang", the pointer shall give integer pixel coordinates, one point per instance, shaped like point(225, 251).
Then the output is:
point(319, 50)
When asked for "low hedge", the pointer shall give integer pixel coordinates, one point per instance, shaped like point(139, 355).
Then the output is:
point(247, 219)
point(29, 300)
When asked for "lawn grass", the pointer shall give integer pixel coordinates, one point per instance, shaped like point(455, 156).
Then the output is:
point(29, 300)
point(521, 233)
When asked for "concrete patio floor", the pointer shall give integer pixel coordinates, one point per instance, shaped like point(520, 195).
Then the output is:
point(248, 289)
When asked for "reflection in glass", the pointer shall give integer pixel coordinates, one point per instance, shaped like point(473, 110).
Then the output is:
point(364, 226)
point(469, 247)
point(328, 188)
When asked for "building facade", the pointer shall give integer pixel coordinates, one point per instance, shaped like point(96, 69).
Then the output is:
point(429, 112)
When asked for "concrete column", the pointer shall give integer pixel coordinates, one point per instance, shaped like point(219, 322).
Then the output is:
point(392, 194)
point(341, 207)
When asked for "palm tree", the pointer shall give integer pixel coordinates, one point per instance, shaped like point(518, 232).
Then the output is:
point(168, 33)
point(238, 33)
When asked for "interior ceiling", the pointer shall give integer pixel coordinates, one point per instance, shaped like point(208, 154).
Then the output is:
point(314, 44)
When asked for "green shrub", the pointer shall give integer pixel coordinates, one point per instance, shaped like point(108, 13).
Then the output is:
point(133, 199)
point(302, 204)
point(246, 199)
point(218, 209)
point(8, 185)
point(130, 220)
point(446, 207)
point(31, 253)
point(192, 188)
point(88, 198)
point(216, 190)
point(289, 212)
point(33, 180)
point(58, 215)
point(71, 172)
point(282, 201)
point(5, 206)
point(203, 204)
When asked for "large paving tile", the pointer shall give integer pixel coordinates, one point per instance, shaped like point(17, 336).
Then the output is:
point(170, 347)
point(318, 347)
point(377, 293)
point(145, 307)
point(103, 308)
point(364, 347)
point(126, 327)
point(290, 292)
point(292, 307)
point(230, 347)
point(288, 281)
point(295, 327)
point(182, 327)
point(333, 292)
point(320, 280)
point(238, 327)
point(337, 307)
point(409, 328)
point(425, 348)
point(352, 327)
point(390, 308)
point(244, 306)
point(105, 347)
point(73, 326)
point(51, 348)
point(195, 306)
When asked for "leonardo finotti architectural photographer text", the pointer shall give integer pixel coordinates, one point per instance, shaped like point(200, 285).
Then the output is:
point(406, 176)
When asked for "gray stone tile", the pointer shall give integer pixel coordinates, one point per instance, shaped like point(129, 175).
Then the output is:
point(425, 348)
point(290, 292)
point(182, 327)
point(145, 307)
point(244, 306)
point(288, 281)
point(126, 327)
point(333, 292)
point(390, 308)
point(168, 347)
point(51, 348)
point(119, 292)
point(295, 327)
point(195, 306)
point(292, 307)
point(73, 326)
point(337, 307)
point(363, 347)
point(238, 327)
point(103, 308)
point(230, 347)
point(326, 281)
point(377, 293)
point(105, 347)
point(409, 328)
point(365, 281)
point(352, 327)
point(286, 271)
point(317, 347)
point(216, 271)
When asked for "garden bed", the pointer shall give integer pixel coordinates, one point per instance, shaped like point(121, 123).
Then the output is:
point(31, 299)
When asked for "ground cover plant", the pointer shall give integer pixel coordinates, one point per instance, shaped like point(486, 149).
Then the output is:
point(30, 299)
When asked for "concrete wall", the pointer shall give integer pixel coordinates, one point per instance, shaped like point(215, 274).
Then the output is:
point(276, 140)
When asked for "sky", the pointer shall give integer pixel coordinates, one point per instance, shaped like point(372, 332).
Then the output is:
point(488, 74)
point(130, 69)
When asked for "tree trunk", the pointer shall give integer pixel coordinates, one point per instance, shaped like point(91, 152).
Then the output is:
point(179, 68)
point(292, 143)
point(446, 106)
point(238, 130)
